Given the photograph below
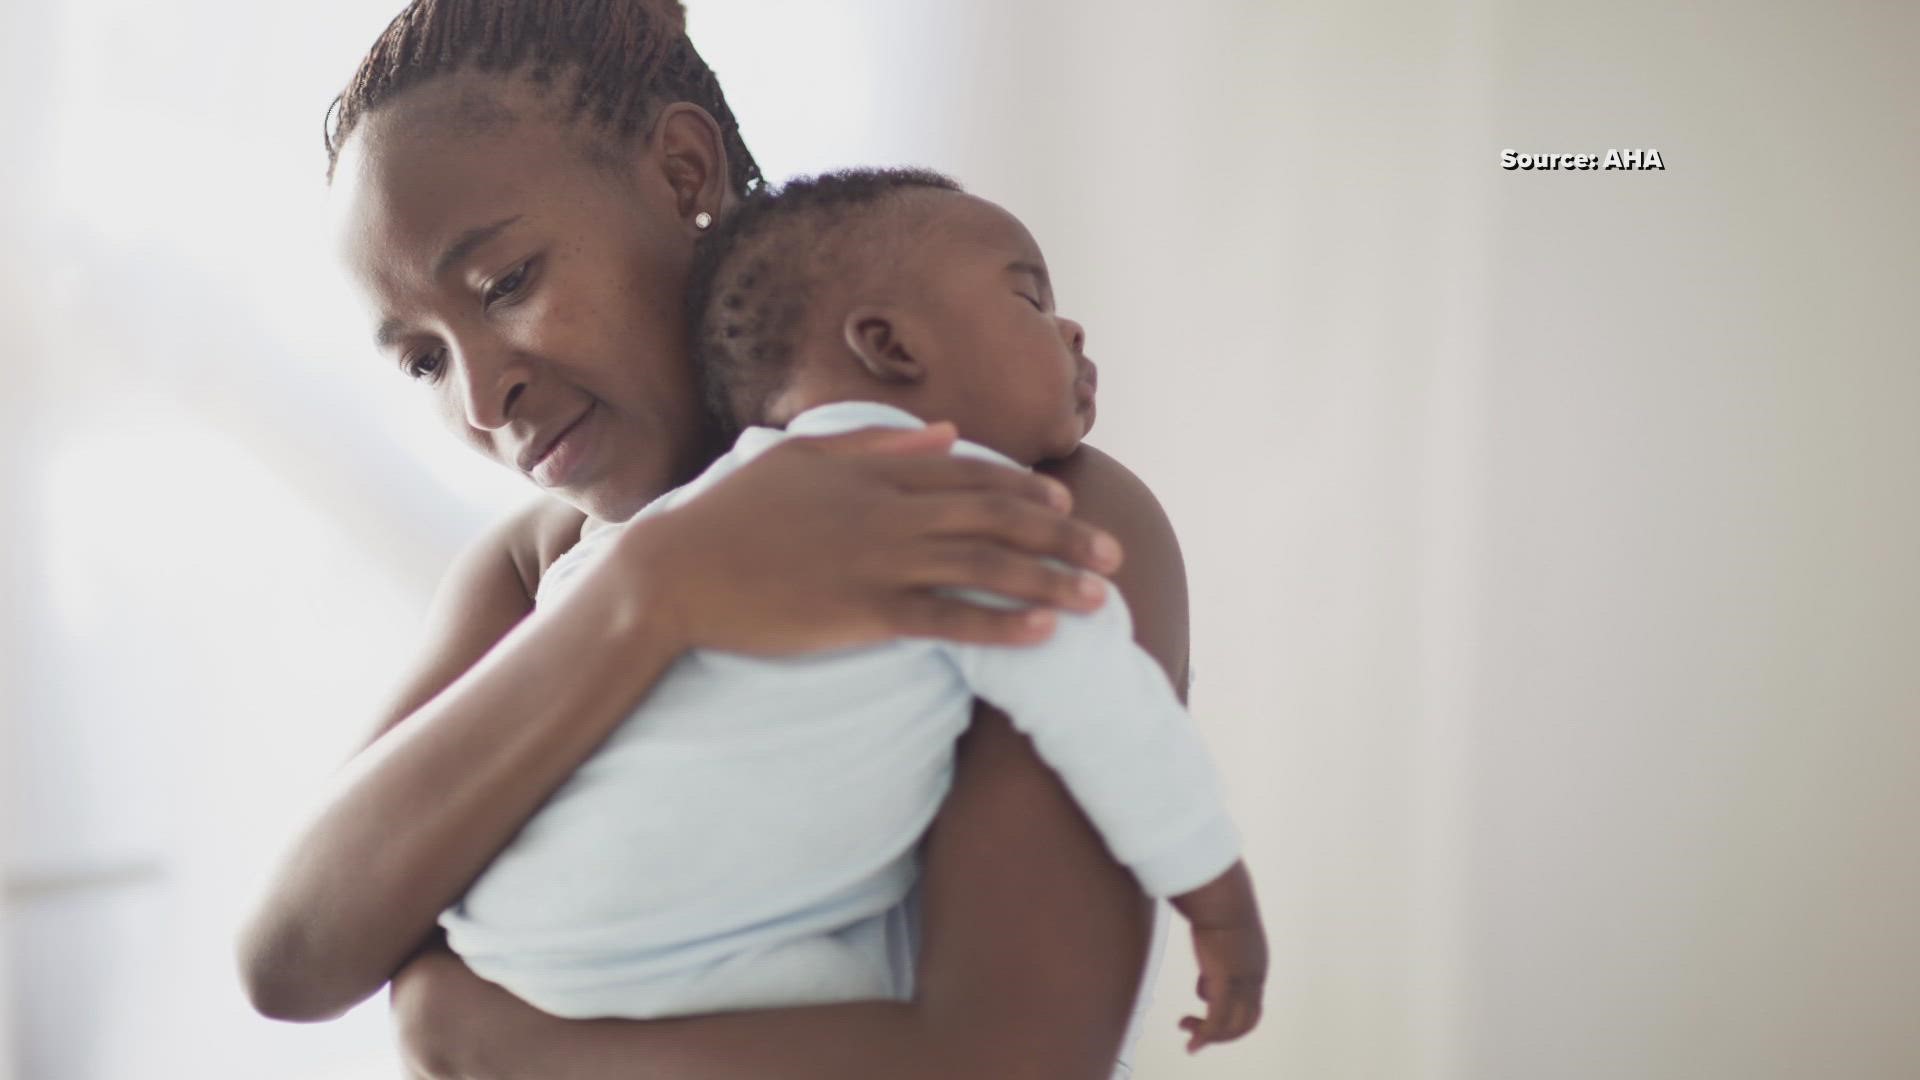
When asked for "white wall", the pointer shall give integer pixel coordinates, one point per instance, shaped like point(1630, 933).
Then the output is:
point(1693, 782)
point(1546, 530)
point(1548, 533)
point(185, 421)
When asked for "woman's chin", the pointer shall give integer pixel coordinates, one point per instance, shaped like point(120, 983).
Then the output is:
point(606, 509)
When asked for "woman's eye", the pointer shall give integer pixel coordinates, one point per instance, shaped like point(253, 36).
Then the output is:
point(422, 365)
point(508, 286)
point(1035, 301)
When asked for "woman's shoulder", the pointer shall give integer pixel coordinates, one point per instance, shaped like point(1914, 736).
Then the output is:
point(1154, 576)
point(533, 538)
point(489, 588)
point(1108, 493)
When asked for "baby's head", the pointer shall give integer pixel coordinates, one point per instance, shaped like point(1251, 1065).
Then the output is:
point(892, 286)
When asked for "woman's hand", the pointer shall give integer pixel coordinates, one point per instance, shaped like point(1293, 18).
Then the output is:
point(446, 1017)
point(424, 997)
point(831, 542)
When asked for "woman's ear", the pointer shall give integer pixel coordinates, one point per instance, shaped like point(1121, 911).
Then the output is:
point(692, 155)
point(879, 340)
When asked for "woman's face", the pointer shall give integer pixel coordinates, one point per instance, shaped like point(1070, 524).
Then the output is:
point(534, 296)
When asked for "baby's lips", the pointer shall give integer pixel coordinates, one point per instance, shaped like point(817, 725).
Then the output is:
point(1088, 376)
point(1086, 384)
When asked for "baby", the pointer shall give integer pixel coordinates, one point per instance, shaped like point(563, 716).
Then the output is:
point(746, 838)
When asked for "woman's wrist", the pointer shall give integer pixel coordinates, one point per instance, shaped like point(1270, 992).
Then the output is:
point(647, 605)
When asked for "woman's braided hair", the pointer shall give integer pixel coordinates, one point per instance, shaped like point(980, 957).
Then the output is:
point(621, 59)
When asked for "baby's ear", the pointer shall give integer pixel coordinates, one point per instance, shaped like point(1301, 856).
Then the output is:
point(880, 342)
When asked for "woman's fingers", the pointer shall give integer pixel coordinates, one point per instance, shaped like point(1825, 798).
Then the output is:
point(838, 541)
point(1015, 576)
point(940, 473)
point(931, 439)
point(1017, 507)
point(1015, 524)
point(953, 619)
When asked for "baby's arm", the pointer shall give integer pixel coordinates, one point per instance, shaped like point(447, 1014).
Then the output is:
point(1231, 946)
point(1103, 715)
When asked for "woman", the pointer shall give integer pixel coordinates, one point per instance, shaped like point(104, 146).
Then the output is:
point(522, 185)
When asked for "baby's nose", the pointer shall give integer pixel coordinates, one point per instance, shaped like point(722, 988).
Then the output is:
point(1074, 334)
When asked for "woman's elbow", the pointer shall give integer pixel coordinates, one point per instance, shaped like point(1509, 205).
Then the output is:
point(273, 974)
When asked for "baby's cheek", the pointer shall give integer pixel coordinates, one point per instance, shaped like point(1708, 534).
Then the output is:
point(1064, 436)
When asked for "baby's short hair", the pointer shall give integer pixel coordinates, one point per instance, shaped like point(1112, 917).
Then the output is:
point(758, 272)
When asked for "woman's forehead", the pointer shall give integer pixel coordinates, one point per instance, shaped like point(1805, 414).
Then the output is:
point(405, 189)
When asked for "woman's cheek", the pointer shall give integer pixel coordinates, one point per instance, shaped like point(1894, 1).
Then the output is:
point(539, 319)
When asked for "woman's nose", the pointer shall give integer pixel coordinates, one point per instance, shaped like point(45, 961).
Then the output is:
point(491, 382)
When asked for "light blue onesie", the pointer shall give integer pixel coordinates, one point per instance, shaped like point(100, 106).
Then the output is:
point(746, 837)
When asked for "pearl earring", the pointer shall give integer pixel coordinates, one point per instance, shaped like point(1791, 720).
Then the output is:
point(702, 221)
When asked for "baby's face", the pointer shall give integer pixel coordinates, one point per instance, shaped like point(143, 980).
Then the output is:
point(1009, 371)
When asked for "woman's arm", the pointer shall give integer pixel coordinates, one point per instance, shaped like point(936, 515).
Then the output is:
point(1033, 943)
point(1033, 937)
point(817, 543)
point(461, 750)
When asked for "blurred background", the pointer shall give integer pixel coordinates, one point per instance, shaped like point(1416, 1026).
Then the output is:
point(1551, 535)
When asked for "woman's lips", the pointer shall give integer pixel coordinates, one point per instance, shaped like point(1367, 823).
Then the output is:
point(563, 458)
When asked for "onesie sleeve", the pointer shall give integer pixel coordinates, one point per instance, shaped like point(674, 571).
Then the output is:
point(1102, 715)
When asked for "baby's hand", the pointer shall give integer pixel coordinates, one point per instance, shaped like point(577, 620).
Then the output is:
point(1233, 973)
point(1232, 950)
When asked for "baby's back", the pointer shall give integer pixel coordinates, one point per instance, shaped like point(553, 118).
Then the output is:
point(745, 804)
